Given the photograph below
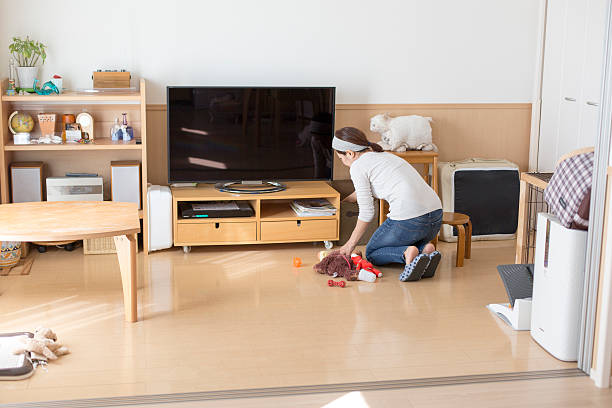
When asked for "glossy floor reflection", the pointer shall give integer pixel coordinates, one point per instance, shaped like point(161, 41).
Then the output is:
point(244, 317)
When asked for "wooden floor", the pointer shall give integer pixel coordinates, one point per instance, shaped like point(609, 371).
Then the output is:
point(244, 317)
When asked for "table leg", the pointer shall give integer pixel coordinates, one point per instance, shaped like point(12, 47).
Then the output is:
point(468, 240)
point(460, 245)
point(521, 230)
point(434, 174)
point(425, 173)
point(126, 246)
point(434, 185)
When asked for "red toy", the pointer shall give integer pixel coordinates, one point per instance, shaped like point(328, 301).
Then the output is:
point(362, 263)
point(334, 283)
point(297, 262)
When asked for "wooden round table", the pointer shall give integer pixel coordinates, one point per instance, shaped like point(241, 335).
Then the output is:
point(72, 220)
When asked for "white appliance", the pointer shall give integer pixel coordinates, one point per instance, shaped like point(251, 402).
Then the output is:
point(125, 181)
point(557, 287)
point(26, 182)
point(75, 189)
point(159, 202)
point(518, 317)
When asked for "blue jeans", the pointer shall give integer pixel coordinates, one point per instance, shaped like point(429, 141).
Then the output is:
point(390, 240)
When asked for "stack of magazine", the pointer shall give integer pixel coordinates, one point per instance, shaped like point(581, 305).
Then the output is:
point(314, 207)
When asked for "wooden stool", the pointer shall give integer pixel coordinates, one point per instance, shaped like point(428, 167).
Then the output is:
point(464, 234)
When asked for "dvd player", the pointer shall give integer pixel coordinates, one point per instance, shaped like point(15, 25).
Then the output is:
point(215, 209)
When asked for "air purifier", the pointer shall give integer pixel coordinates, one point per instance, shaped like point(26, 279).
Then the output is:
point(557, 287)
point(159, 202)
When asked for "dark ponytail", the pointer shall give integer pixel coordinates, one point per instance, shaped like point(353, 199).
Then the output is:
point(356, 136)
point(375, 147)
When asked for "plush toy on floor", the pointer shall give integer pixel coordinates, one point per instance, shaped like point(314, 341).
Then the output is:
point(403, 133)
point(335, 265)
point(323, 254)
point(361, 263)
point(44, 344)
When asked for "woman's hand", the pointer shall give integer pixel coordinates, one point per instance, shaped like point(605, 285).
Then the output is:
point(347, 249)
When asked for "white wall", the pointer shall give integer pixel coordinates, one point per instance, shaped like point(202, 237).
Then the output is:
point(385, 51)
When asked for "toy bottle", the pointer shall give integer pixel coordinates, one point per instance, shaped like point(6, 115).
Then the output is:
point(115, 131)
point(127, 131)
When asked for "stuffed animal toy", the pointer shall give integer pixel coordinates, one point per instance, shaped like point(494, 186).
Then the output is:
point(361, 263)
point(45, 333)
point(403, 133)
point(337, 265)
point(43, 343)
point(323, 254)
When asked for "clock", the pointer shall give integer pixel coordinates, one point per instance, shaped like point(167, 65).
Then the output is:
point(87, 125)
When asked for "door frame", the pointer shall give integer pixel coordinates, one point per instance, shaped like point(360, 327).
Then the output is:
point(587, 356)
point(601, 356)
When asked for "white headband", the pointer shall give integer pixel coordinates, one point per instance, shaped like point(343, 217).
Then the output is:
point(342, 145)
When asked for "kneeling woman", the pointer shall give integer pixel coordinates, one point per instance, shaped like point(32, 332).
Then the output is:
point(415, 211)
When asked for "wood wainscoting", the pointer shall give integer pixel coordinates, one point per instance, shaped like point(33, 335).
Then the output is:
point(460, 130)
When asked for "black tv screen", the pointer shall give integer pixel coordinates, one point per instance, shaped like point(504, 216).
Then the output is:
point(250, 133)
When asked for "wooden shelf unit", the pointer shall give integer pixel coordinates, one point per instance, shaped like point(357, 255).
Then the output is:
point(94, 157)
point(100, 144)
point(274, 220)
point(70, 96)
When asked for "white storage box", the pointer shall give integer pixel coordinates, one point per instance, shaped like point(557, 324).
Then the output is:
point(487, 190)
point(159, 202)
point(75, 189)
point(558, 282)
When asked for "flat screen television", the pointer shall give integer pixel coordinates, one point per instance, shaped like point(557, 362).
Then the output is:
point(223, 134)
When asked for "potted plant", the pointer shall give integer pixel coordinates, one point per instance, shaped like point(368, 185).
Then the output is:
point(27, 53)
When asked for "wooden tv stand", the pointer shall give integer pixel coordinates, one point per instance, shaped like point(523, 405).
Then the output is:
point(274, 220)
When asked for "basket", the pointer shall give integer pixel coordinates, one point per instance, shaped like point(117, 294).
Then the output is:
point(98, 246)
point(10, 254)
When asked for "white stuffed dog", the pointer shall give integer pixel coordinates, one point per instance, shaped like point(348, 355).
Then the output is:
point(403, 133)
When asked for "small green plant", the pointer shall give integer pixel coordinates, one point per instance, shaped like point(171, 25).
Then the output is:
point(27, 52)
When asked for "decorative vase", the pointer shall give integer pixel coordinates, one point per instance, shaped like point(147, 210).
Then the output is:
point(26, 76)
point(46, 121)
point(10, 254)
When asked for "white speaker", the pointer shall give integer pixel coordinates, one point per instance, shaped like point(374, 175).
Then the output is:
point(26, 182)
point(125, 182)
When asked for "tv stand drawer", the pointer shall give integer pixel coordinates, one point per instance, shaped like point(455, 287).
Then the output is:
point(298, 230)
point(201, 232)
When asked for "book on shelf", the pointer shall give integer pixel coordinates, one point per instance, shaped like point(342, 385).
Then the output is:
point(313, 207)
